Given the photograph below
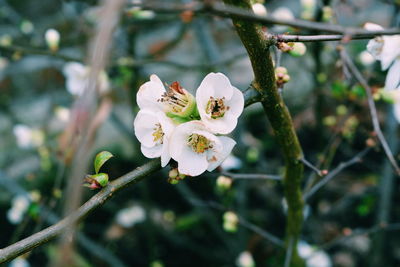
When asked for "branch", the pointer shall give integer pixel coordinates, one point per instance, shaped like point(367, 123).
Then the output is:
point(236, 12)
point(372, 108)
point(319, 38)
point(356, 159)
point(257, 47)
point(94, 202)
point(255, 176)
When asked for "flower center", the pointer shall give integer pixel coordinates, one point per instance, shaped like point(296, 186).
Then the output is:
point(216, 107)
point(199, 143)
point(175, 98)
point(158, 134)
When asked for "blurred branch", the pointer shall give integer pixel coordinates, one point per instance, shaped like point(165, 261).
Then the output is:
point(319, 38)
point(234, 12)
point(372, 108)
point(94, 202)
point(91, 247)
point(255, 176)
point(356, 159)
point(37, 51)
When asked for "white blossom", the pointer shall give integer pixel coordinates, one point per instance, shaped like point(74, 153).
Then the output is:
point(27, 137)
point(282, 13)
point(19, 262)
point(196, 149)
point(259, 9)
point(77, 79)
point(313, 257)
point(219, 103)
point(153, 130)
point(18, 208)
point(175, 102)
point(130, 216)
point(366, 58)
point(52, 38)
point(245, 259)
point(386, 49)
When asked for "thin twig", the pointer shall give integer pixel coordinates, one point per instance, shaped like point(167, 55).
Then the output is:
point(96, 201)
point(319, 38)
point(372, 108)
point(230, 11)
point(356, 159)
point(255, 176)
point(311, 166)
point(289, 253)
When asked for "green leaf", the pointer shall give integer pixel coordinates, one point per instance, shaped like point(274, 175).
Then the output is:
point(101, 178)
point(100, 159)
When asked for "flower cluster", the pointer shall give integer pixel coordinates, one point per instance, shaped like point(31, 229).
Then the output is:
point(172, 123)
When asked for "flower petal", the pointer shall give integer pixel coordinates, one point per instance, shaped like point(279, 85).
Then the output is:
point(192, 163)
point(393, 76)
point(216, 158)
point(236, 103)
point(216, 85)
point(149, 94)
point(372, 27)
point(151, 152)
point(144, 125)
point(390, 50)
point(165, 155)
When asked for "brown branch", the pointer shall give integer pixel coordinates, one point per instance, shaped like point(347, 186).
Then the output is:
point(372, 108)
point(321, 37)
point(257, 47)
point(96, 201)
point(235, 12)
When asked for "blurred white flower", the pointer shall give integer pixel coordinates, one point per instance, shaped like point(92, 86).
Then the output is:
point(153, 130)
point(259, 9)
point(245, 259)
point(308, 3)
point(77, 78)
point(231, 163)
point(196, 149)
point(386, 49)
point(224, 182)
point(52, 38)
point(19, 262)
point(366, 58)
point(219, 103)
point(130, 216)
point(62, 113)
point(27, 27)
point(19, 206)
point(282, 13)
point(28, 137)
point(313, 257)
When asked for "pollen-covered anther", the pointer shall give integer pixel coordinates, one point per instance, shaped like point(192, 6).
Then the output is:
point(216, 107)
point(199, 143)
point(158, 134)
point(175, 98)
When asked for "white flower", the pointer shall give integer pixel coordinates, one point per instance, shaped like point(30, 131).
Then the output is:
point(245, 259)
point(366, 58)
point(196, 149)
point(28, 137)
point(52, 38)
point(130, 216)
point(219, 103)
point(19, 206)
point(282, 13)
point(259, 9)
point(176, 102)
point(231, 163)
point(387, 50)
point(77, 78)
point(153, 130)
point(19, 262)
point(313, 257)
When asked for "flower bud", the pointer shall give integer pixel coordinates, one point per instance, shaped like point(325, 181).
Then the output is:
point(174, 176)
point(231, 221)
point(224, 183)
point(52, 38)
point(299, 49)
point(327, 13)
point(96, 181)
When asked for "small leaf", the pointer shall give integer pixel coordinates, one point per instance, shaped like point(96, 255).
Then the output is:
point(101, 178)
point(100, 159)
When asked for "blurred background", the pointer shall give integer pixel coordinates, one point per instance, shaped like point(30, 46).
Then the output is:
point(205, 220)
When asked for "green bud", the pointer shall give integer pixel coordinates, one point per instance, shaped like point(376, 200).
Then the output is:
point(299, 49)
point(101, 178)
